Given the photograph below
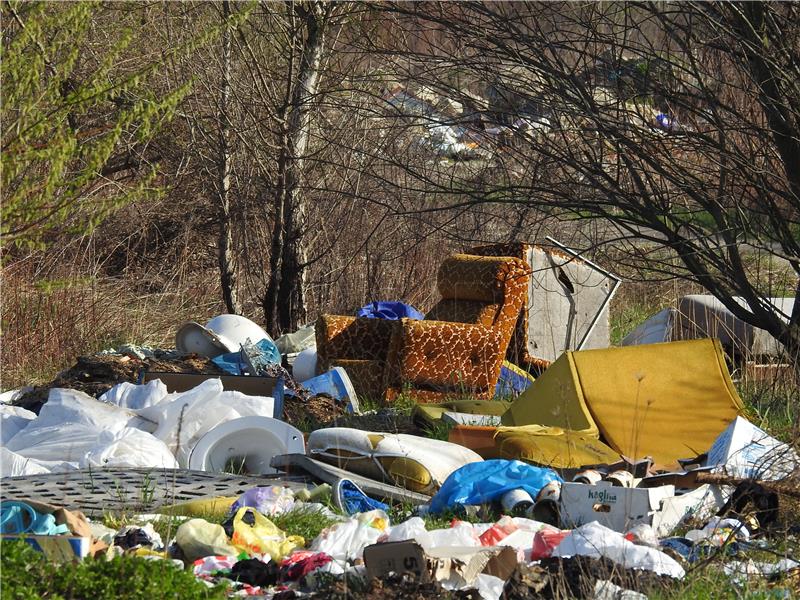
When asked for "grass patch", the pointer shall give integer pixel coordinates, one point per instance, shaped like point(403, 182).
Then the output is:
point(305, 523)
point(627, 317)
point(437, 430)
point(772, 405)
point(711, 583)
point(27, 574)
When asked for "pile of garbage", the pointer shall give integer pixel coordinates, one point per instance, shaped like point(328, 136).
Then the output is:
point(544, 496)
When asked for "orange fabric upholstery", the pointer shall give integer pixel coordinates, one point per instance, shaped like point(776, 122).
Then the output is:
point(518, 347)
point(351, 338)
point(456, 351)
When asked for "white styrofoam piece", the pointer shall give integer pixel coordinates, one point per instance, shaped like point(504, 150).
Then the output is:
point(746, 451)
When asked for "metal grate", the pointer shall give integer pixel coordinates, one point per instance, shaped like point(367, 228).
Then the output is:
point(140, 490)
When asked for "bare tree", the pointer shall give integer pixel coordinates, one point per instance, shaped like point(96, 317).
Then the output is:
point(226, 256)
point(674, 126)
point(284, 302)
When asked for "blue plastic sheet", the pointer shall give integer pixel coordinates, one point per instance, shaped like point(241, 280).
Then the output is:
point(512, 382)
point(236, 364)
point(481, 482)
point(389, 310)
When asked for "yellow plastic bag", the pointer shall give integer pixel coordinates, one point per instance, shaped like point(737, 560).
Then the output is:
point(198, 538)
point(255, 534)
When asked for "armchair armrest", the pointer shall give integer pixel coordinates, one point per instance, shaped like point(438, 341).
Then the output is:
point(443, 354)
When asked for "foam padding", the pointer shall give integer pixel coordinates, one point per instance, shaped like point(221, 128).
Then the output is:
point(666, 401)
point(555, 399)
point(552, 447)
point(415, 463)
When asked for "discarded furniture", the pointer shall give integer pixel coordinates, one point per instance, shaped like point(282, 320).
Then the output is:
point(566, 305)
point(666, 401)
point(291, 463)
point(409, 461)
point(701, 316)
point(552, 447)
point(457, 350)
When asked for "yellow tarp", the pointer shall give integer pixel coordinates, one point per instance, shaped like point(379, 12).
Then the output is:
point(667, 401)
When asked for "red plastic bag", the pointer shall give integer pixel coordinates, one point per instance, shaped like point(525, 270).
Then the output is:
point(504, 527)
point(545, 541)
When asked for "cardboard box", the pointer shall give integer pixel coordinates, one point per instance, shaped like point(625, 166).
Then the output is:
point(620, 508)
point(397, 557)
point(56, 548)
point(460, 565)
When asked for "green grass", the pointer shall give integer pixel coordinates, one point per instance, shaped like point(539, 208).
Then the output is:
point(307, 524)
point(437, 430)
point(772, 405)
point(28, 575)
point(711, 583)
point(624, 319)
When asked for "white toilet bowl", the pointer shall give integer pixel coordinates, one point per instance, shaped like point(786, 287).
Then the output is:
point(246, 445)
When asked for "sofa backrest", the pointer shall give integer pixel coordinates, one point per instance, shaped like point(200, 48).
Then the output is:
point(484, 290)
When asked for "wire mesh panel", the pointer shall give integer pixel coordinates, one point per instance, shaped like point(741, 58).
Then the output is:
point(140, 490)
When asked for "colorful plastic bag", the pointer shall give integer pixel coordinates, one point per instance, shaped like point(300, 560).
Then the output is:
point(198, 538)
point(255, 534)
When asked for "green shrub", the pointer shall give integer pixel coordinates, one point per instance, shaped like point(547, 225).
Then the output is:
point(27, 575)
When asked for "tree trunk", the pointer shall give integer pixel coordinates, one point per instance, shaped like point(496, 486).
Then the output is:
point(284, 302)
point(226, 257)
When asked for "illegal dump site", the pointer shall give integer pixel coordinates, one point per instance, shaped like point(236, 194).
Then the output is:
point(400, 300)
point(266, 467)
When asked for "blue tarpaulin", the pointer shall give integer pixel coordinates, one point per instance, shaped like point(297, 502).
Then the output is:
point(393, 311)
point(486, 481)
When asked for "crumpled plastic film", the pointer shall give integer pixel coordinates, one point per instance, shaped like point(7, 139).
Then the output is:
point(255, 534)
point(485, 481)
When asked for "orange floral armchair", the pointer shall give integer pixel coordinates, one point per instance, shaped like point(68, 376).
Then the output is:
point(457, 350)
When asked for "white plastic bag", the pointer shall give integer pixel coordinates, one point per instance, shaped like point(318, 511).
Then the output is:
point(198, 411)
point(72, 406)
point(297, 341)
point(411, 529)
point(68, 426)
point(66, 442)
point(12, 395)
point(347, 540)
point(129, 395)
point(129, 448)
point(462, 535)
point(16, 465)
point(595, 540)
point(13, 419)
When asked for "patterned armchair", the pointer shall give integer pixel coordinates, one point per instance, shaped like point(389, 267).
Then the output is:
point(566, 303)
point(456, 351)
